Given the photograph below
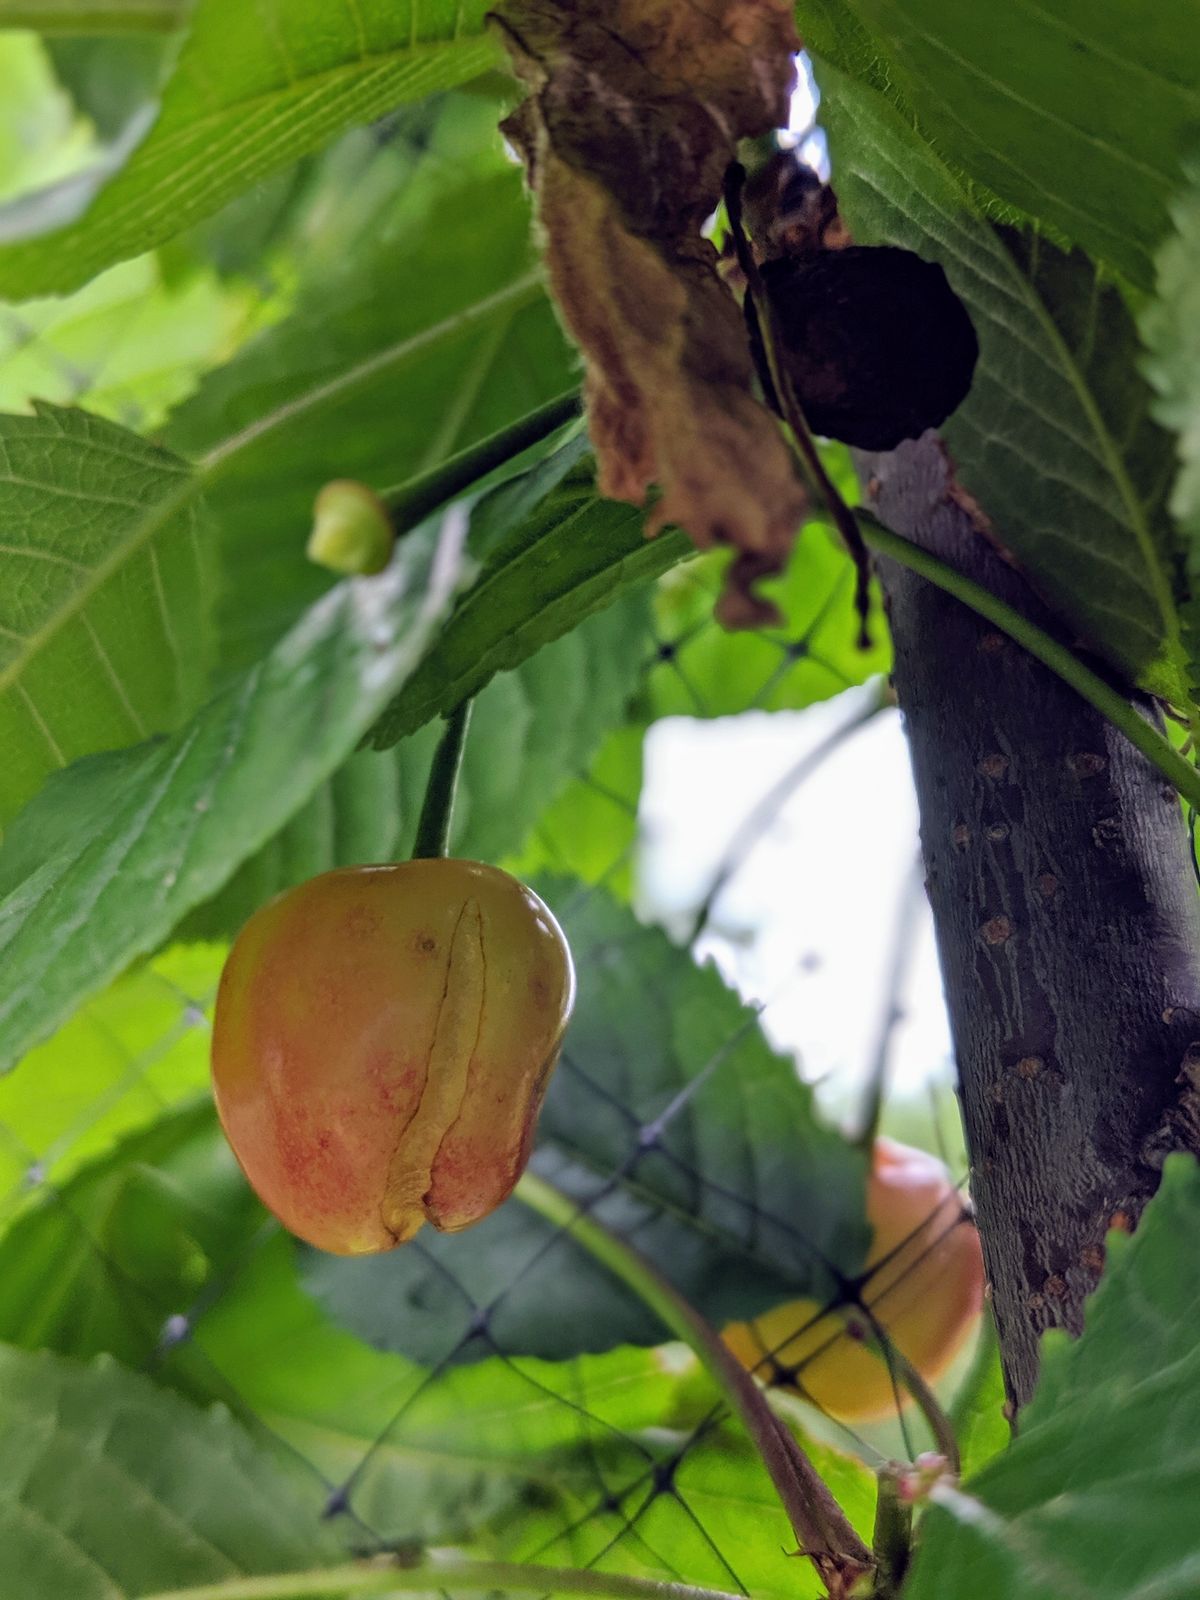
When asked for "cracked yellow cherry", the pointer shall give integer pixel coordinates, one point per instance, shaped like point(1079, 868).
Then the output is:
point(382, 1043)
point(924, 1284)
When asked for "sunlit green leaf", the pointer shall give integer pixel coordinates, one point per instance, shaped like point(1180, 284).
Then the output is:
point(41, 138)
point(133, 1051)
point(591, 830)
point(253, 89)
point(128, 346)
point(704, 671)
point(719, 1524)
point(981, 1425)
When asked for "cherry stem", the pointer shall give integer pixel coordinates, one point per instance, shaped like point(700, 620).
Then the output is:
point(437, 810)
point(411, 501)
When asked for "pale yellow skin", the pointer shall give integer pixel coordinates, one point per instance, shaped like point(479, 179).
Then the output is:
point(926, 1290)
point(382, 1043)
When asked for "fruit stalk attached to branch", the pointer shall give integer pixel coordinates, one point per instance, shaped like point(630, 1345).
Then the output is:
point(384, 1037)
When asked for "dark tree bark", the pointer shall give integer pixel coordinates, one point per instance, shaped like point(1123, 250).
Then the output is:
point(1068, 923)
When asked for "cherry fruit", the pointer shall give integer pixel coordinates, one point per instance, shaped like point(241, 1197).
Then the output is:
point(382, 1044)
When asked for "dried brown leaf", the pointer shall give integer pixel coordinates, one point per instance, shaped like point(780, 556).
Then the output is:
point(633, 115)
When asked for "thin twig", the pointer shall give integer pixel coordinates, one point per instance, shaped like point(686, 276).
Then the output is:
point(756, 821)
point(822, 1528)
point(789, 407)
point(912, 896)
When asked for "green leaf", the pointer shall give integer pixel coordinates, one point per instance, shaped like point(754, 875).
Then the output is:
point(112, 1487)
point(157, 1256)
point(742, 1198)
point(1170, 327)
point(720, 1524)
point(978, 1414)
point(432, 333)
point(532, 729)
point(1096, 1495)
point(105, 595)
point(318, 223)
point(132, 1240)
point(42, 141)
point(591, 830)
point(510, 1448)
point(536, 726)
point(1079, 119)
point(424, 1459)
point(110, 856)
point(253, 89)
point(112, 78)
point(126, 1055)
point(552, 552)
point(703, 671)
point(71, 17)
point(1055, 440)
point(128, 346)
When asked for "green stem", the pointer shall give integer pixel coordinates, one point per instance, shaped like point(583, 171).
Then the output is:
point(1089, 685)
point(892, 1541)
point(434, 1572)
point(437, 810)
point(415, 498)
point(927, 1402)
point(821, 1527)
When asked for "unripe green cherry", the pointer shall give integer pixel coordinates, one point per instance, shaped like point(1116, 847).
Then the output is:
point(351, 532)
point(382, 1044)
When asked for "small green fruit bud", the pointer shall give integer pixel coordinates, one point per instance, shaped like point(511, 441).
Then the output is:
point(351, 530)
